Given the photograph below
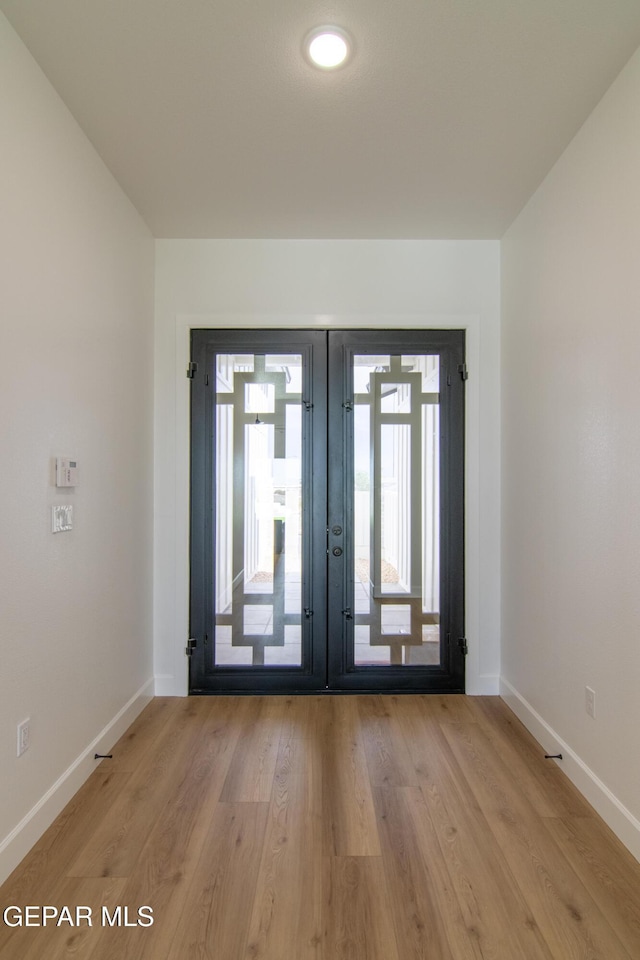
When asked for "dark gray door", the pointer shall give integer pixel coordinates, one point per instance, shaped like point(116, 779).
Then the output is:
point(395, 494)
point(327, 511)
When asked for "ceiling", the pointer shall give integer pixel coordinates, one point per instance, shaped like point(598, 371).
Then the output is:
point(447, 118)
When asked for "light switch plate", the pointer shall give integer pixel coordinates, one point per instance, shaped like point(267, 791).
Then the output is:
point(66, 472)
point(61, 518)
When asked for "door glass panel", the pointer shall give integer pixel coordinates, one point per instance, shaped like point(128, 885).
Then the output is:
point(258, 511)
point(259, 398)
point(228, 364)
point(395, 398)
point(286, 363)
point(392, 571)
point(363, 367)
point(428, 365)
point(396, 533)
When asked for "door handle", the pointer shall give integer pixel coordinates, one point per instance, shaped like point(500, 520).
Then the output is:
point(337, 551)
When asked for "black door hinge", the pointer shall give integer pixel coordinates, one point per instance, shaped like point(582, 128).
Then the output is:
point(462, 370)
point(347, 614)
point(464, 646)
point(308, 612)
point(190, 647)
point(192, 369)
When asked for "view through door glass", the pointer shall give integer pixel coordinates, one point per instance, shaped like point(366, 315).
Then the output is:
point(326, 529)
point(396, 500)
point(258, 510)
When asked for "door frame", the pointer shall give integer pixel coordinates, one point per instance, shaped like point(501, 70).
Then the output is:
point(171, 666)
point(327, 585)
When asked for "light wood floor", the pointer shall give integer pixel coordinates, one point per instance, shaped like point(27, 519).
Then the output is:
point(333, 828)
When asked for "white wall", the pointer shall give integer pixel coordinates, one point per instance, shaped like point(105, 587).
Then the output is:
point(571, 456)
point(76, 327)
point(326, 284)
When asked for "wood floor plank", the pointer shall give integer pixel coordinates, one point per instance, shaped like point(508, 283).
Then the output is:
point(423, 908)
point(117, 841)
point(549, 791)
point(351, 829)
point(67, 835)
point(288, 898)
point(608, 871)
point(438, 708)
point(497, 918)
point(569, 918)
point(388, 758)
point(64, 942)
point(215, 921)
point(338, 719)
point(359, 925)
point(170, 856)
point(250, 776)
point(496, 921)
point(139, 741)
point(297, 756)
point(419, 724)
point(300, 717)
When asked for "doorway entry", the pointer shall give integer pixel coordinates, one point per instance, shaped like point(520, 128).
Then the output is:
point(327, 503)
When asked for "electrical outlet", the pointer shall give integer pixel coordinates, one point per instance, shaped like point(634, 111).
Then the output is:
point(590, 701)
point(24, 736)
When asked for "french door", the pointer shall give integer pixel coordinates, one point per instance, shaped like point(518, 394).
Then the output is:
point(327, 493)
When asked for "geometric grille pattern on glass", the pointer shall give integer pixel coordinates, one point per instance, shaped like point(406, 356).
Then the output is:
point(258, 518)
point(396, 510)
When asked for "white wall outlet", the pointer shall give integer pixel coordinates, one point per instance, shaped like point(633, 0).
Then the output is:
point(61, 518)
point(590, 701)
point(24, 736)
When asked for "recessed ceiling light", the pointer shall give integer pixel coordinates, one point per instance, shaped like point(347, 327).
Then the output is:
point(328, 47)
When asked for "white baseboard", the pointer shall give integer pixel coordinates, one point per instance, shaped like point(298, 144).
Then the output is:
point(17, 844)
point(613, 812)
